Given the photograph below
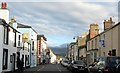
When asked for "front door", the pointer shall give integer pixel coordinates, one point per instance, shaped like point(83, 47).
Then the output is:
point(13, 62)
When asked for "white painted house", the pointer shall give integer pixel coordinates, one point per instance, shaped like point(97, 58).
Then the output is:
point(8, 47)
point(9, 42)
point(53, 57)
point(22, 41)
point(30, 36)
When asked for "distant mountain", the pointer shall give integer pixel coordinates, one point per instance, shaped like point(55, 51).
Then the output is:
point(60, 50)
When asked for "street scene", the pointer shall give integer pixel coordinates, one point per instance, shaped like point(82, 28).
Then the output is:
point(60, 37)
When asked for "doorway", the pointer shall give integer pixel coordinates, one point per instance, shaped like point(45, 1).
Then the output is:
point(13, 63)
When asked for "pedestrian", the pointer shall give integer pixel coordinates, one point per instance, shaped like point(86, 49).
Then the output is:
point(44, 61)
point(18, 62)
point(21, 65)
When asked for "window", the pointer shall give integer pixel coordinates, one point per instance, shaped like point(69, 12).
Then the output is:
point(95, 56)
point(104, 40)
point(14, 38)
point(96, 43)
point(92, 44)
point(19, 40)
point(28, 59)
point(5, 58)
point(6, 34)
point(88, 45)
point(114, 52)
point(11, 57)
point(33, 45)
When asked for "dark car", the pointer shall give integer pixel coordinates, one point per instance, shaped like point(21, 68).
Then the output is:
point(78, 66)
point(118, 68)
point(106, 65)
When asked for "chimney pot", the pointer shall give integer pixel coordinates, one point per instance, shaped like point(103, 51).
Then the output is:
point(4, 5)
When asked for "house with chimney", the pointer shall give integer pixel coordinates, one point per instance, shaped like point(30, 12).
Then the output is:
point(105, 43)
point(25, 49)
point(11, 42)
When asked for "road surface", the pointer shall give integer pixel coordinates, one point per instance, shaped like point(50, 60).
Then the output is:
point(48, 68)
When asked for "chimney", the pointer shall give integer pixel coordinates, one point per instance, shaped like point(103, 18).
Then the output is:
point(108, 23)
point(4, 5)
point(94, 30)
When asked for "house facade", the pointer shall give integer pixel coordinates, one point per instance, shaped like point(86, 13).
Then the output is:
point(82, 46)
point(106, 43)
point(41, 48)
point(30, 43)
point(8, 47)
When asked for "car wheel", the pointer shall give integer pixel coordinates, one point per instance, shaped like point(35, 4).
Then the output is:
point(100, 71)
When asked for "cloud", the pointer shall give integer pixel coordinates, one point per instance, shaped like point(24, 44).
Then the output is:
point(62, 19)
point(60, 0)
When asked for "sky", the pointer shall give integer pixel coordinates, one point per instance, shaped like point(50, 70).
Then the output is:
point(61, 21)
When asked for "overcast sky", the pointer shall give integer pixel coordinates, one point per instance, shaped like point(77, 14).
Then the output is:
point(61, 21)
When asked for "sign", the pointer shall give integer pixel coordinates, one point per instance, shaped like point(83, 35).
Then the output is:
point(25, 37)
point(102, 43)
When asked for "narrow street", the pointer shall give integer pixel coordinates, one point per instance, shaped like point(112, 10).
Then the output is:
point(53, 68)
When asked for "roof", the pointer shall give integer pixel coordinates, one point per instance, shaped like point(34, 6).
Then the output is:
point(106, 30)
point(3, 22)
point(19, 25)
point(39, 36)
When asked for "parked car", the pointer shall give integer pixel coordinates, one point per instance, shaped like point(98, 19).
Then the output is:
point(78, 66)
point(118, 68)
point(105, 65)
point(65, 63)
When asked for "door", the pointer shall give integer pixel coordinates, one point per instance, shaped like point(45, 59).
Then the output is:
point(13, 63)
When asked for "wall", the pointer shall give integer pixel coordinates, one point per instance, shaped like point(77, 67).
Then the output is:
point(1, 48)
point(118, 52)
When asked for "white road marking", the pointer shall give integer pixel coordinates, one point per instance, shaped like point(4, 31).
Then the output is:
point(59, 69)
point(39, 69)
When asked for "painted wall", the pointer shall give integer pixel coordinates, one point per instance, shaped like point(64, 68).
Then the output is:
point(11, 49)
point(32, 36)
point(1, 48)
point(4, 14)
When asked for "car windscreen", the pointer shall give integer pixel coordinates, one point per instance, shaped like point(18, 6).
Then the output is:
point(65, 61)
point(113, 61)
point(79, 62)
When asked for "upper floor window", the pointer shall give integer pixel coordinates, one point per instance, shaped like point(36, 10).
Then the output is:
point(92, 44)
point(6, 34)
point(95, 42)
point(14, 38)
point(19, 40)
point(33, 45)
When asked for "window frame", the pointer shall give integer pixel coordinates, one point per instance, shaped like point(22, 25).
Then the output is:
point(6, 35)
point(5, 59)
